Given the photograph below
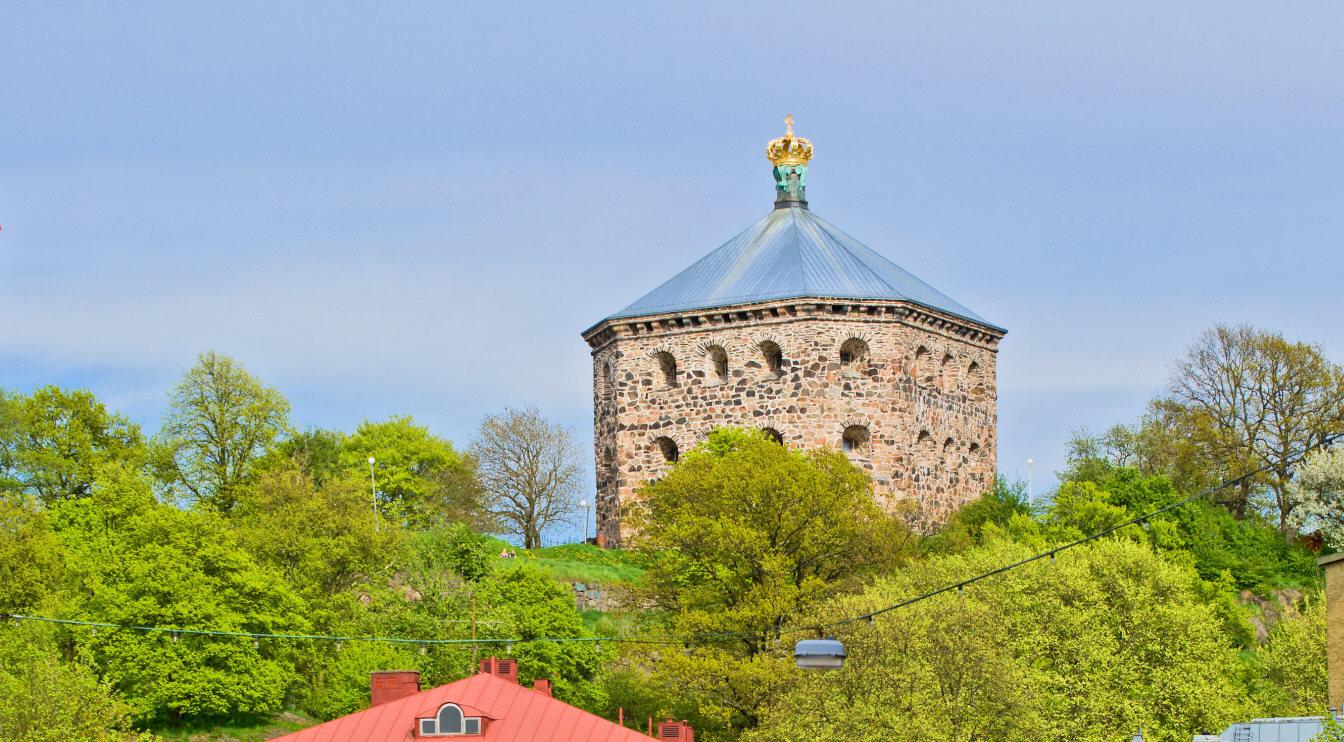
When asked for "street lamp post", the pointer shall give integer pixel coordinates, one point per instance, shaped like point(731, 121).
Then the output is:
point(373, 494)
point(1031, 497)
point(584, 504)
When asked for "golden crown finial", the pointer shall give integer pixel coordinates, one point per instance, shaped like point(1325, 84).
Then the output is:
point(789, 149)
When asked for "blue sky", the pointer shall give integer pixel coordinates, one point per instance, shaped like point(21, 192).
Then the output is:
point(402, 208)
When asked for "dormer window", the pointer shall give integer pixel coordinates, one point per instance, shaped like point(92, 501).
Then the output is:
point(450, 722)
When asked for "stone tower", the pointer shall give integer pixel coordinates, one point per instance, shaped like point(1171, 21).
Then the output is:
point(797, 329)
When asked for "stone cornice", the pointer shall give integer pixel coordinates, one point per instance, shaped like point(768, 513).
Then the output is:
point(793, 310)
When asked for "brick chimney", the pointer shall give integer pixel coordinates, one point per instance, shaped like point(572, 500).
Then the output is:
point(542, 686)
point(393, 685)
point(506, 669)
point(1333, 566)
point(678, 730)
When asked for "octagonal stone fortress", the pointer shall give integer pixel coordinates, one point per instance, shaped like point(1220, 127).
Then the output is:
point(797, 329)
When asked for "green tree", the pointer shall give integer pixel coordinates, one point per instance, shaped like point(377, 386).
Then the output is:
point(741, 536)
point(316, 451)
point(134, 561)
point(30, 558)
point(1290, 668)
point(220, 420)
point(421, 479)
point(48, 699)
point(531, 606)
point(52, 441)
point(322, 538)
point(1331, 729)
point(1108, 639)
point(1096, 494)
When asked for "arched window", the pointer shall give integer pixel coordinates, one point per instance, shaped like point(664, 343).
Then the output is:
point(855, 439)
point(923, 368)
point(668, 448)
point(773, 435)
point(853, 354)
point(717, 358)
point(608, 381)
point(950, 456)
point(974, 379)
point(450, 719)
point(772, 357)
point(947, 375)
point(667, 368)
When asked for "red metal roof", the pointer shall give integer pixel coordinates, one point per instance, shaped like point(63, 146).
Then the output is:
point(520, 715)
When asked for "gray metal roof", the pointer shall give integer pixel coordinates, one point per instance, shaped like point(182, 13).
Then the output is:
point(1297, 729)
point(791, 253)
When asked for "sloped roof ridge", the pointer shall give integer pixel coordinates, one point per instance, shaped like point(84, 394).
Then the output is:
point(865, 255)
point(790, 253)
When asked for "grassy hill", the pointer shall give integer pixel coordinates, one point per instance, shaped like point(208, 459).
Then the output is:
point(581, 563)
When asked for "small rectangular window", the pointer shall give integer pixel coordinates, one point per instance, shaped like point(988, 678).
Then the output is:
point(473, 726)
point(426, 727)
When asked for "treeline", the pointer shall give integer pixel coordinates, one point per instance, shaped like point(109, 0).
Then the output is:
point(1205, 615)
point(228, 519)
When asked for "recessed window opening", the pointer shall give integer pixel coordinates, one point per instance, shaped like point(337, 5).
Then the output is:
point(608, 381)
point(855, 439)
point(975, 379)
point(853, 353)
point(667, 368)
point(950, 457)
point(948, 372)
point(668, 448)
point(923, 365)
point(773, 357)
point(718, 364)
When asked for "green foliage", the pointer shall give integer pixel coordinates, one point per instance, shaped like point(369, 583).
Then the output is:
point(1331, 729)
point(458, 549)
point(530, 605)
point(1003, 510)
point(258, 728)
point(741, 536)
point(421, 480)
point(132, 560)
point(220, 420)
point(1108, 639)
point(322, 538)
point(49, 699)
point(52, 440)
point(1289, 677)
point(345, 683)
point(317, 452)
point(1096, 494)
point(30, 558)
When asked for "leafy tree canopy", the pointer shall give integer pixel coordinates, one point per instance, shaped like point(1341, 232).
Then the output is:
point(420, 479)
point(1109, 639)
point(220, 420)
point(135, 561)
point(52, 440)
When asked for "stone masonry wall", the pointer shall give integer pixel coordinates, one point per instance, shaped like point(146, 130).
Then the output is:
point(1334, 627)
point(913, 391)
